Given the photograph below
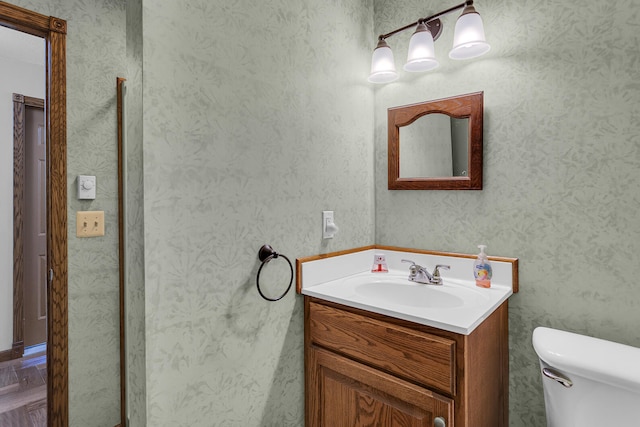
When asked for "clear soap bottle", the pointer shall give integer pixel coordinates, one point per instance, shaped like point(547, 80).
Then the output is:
point(482, 269)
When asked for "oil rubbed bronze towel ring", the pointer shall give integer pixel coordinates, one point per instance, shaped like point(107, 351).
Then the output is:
point(265, 255)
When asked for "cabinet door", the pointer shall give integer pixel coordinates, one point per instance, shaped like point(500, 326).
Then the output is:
point(344, 393)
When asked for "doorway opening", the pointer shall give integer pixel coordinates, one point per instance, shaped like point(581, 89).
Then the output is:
point(52, 31)
point(23, 377)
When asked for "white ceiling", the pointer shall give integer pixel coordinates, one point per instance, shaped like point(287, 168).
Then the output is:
point(19, 46)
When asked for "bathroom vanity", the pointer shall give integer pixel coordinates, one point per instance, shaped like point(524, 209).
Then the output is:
point(368, 363)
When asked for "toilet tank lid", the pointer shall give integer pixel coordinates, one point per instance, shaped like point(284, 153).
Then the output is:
point(597, 359)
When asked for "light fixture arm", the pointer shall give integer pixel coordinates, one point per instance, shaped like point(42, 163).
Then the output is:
point(427, 19)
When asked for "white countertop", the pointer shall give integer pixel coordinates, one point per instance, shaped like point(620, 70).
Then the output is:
point(339, 279)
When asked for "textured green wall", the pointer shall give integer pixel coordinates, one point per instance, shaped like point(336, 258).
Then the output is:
point(256, 118)
point(562, 156)
point(134, 212)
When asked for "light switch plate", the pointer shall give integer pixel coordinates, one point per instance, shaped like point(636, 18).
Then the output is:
point(86, 187)
point(329, 228)
point(89, 223)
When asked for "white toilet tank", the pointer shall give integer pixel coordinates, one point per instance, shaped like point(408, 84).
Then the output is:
point(588, 382)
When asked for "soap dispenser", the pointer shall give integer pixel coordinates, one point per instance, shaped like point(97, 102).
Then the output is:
point(482, 269)
point(379, 264)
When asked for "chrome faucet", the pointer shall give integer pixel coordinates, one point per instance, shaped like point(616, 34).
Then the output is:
point(420, 274)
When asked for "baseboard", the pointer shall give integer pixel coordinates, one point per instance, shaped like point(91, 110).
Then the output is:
point(15, 352)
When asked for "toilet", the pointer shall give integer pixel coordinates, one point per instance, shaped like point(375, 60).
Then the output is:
point(588, 382)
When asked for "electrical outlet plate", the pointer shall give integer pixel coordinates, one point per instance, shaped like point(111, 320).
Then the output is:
point(89, 223)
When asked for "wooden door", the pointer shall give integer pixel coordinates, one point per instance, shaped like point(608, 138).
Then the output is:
point(345, 393)
point(35, 228)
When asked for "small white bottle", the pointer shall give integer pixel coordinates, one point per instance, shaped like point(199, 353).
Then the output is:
point(482, 269)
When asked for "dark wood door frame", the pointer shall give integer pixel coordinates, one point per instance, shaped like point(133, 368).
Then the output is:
point(20, 104)
point(120, 93)
point(53, 31)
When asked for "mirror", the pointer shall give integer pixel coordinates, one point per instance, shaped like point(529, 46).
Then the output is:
point(436, 145)
point(446, 153)
point(53, 33)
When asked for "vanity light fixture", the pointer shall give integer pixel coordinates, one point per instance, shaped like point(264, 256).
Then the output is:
point(468, 42)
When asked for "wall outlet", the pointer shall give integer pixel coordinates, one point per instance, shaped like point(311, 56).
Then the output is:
point(89, 223)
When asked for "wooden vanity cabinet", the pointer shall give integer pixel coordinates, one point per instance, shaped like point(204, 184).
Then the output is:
point(367, 369)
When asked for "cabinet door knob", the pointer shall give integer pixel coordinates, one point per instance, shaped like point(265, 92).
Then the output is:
point(439, 422)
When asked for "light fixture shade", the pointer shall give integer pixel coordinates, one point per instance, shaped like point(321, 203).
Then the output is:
point(421, 55)
point(383, 68)
point(468, 39)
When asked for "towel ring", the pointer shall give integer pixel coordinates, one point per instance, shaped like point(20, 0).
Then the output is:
point(265, 255)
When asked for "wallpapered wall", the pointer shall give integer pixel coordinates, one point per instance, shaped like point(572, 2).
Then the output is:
point(562, 156)
point(256, 118)
point(134, 212)
point(95, 56)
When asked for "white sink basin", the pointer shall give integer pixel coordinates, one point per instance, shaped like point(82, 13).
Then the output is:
point(457, 305)
point(402, 292)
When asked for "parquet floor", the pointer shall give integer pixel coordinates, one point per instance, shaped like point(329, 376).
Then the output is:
point(23, 392)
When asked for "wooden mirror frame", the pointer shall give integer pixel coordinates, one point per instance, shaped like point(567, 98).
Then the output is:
point(53, 31)
point(469, 106)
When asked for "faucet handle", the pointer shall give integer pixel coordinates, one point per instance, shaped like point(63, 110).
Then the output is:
point(436, 271)
point(413, 268)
